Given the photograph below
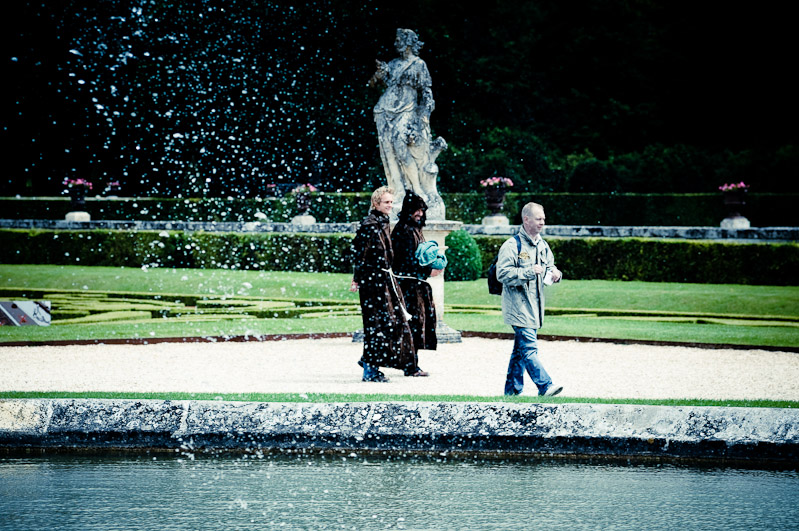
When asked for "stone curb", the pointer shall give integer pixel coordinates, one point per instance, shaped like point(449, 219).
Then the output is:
point(754, 234)
point(754, 435)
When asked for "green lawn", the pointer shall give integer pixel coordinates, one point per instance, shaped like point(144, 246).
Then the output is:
point(208, 282)
point(234, 306)
point(332, 397)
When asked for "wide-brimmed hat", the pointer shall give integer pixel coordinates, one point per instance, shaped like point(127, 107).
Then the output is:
point(428, 254)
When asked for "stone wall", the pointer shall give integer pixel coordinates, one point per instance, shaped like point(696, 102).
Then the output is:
point(759, 234)
point(754, 435)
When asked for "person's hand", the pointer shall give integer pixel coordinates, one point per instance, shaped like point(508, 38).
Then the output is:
point(538, 269)
point(436, 272)
point(353, 286)
point(556, 275)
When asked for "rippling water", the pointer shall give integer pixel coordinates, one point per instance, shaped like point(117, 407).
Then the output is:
point(367, 492)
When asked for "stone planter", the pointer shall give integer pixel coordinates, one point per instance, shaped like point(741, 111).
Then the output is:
point(78, 196)
point(77, 205)
point(495, 201)
point(734, 202)
point(303, 200)
point(495, 198)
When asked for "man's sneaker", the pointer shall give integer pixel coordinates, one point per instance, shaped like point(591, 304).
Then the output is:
point(379, 377)
point(553, 390)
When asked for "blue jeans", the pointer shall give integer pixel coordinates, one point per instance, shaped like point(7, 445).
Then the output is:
point(525, 357)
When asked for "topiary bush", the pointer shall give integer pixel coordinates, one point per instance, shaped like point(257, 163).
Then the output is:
point(464, 260)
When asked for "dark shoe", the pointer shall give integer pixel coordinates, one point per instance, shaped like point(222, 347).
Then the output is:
point(379, 377)
point(419, 372)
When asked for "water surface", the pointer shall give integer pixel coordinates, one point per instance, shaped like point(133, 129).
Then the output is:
point(159, 491)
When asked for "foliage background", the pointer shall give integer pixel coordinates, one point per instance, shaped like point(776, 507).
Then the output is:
point(219, 98)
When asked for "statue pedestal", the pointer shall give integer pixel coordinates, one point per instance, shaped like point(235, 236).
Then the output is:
point(496, 219)
point(735, 222)
point(437, 230)
point(78, 216)
point(303, 219)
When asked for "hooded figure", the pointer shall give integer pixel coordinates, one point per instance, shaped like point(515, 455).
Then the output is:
point(412, 276)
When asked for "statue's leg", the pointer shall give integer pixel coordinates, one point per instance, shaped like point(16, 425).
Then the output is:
point(392, 169)
point(410, 173)
point(391, 166)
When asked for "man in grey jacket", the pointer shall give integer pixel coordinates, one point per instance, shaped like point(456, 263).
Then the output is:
point(525, 263)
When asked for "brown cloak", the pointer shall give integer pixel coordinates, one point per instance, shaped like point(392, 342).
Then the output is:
point(387, 335)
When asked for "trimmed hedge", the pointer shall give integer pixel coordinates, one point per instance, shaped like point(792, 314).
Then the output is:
point(655, 260)
point(205, 250)
point(764, 210)
point(327, 208)
point(684, 210)
point(580, 258)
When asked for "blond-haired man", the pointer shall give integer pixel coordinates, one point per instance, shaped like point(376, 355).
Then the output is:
point(387, 335)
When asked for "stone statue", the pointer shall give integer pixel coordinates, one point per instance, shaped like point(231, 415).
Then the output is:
point(402, 116)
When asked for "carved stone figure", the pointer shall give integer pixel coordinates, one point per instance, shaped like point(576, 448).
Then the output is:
point(402, 116)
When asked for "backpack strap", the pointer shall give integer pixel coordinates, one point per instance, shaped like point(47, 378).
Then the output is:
point(518, 252)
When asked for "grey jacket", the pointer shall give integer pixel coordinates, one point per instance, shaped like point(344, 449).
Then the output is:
point(523, 293)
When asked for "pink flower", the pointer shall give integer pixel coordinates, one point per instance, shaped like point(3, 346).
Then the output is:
point(72, 183)
point(304, 188)
point(496, 181)
point(729, 187)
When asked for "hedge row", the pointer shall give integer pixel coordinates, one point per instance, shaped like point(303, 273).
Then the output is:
point(763, 210)
point(653, 260)
point(579, 258)
point(205, 250)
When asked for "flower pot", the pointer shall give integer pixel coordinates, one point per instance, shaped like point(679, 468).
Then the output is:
point(734, 200)
point(78, 196)
point(303, 200)
point(495, 198)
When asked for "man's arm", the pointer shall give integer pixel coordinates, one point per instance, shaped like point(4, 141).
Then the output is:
point(509, 269)
point(550, 265)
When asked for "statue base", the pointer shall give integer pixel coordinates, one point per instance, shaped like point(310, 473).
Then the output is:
point(447, 334)
point(496, 219)
point(78, 216)
point(303, 219)
point(437, 230)
point(735, 222)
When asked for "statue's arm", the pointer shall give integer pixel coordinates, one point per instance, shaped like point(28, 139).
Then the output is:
point(425, 90)
point(427, 104)
point(380, 77)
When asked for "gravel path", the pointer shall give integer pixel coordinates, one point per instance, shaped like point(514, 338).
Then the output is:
point(474, 367)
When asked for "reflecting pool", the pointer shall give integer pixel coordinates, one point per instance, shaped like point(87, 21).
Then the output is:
point(229, 492)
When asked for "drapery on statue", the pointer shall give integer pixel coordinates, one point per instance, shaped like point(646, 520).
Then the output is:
point(402, 116)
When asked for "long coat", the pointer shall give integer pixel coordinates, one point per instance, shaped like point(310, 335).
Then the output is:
point(418, 294)
point(523, 293)
point(387, 335)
